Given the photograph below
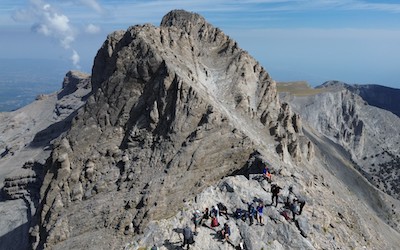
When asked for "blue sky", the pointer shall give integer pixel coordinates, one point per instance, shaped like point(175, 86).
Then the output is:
point(356, 41)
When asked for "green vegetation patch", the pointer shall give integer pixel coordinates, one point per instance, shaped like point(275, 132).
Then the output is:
point(299, 88)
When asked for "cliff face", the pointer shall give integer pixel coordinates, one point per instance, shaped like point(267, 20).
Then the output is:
point(25, 144)
point(379, 96)
point(369, 134)
point(174, 109)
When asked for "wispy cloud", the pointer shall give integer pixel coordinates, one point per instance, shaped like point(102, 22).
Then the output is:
point(92, 29)
point(75, 59)
point(52, 22)
point(66, 20)
point(93, 4)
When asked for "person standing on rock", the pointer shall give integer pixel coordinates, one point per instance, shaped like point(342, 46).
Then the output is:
point(297, 198)
point(260, 209)
point(197, 220)
point(206, 216)
point(294, 207)
point(275, 189)
point(215, 212)
point(251, 212)
point(187, 237)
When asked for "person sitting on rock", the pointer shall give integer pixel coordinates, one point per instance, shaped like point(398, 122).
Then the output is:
point(225, 232)
point(260, 209)
point(275, 190)
point(267, 174)
point(223, 210)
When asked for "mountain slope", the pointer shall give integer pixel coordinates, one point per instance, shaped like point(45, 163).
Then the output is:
point(376, 95)
point(369, 134)
point(177, 118)
point(179, 103)
point(25, 143)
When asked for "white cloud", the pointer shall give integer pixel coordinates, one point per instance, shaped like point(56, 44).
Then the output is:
point(92, 29)
point(75, 58)
point(51, 23)
point(48, 22)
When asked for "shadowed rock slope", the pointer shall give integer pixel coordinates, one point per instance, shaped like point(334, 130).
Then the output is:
point(174, 109)
point(376, 95)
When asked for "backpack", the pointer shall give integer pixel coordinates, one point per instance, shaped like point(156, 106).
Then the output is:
point(238, 213)
point(214, 222)
point(273, 186)
point(285, 214)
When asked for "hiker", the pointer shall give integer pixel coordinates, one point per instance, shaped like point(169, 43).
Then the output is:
point(294, 207)
point(302, 203)
point(275, 189)
point(215, 212)
point(223, 210)
point(251, 212)
point(187, 237)
point(206, 216)
point(260, 209)
point(267, 174)
point(297, 198)
point(197, 220)
point(225, 232)
point(214, 222)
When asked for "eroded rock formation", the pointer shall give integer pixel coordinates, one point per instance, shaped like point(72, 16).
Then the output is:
point(174, 109)
point(369, 134)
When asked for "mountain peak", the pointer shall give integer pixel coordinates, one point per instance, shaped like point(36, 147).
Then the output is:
point(180, 18)
point(174, 110)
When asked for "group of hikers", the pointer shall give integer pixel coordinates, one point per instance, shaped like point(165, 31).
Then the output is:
point(292, 204)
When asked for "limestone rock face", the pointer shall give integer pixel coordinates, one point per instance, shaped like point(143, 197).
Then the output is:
point(25, 144)
point(369, 134)
point(174, 109)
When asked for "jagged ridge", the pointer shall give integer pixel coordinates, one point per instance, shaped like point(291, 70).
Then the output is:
point(173, 110)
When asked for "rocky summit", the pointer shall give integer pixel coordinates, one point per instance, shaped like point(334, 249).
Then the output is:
point(179, 118)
